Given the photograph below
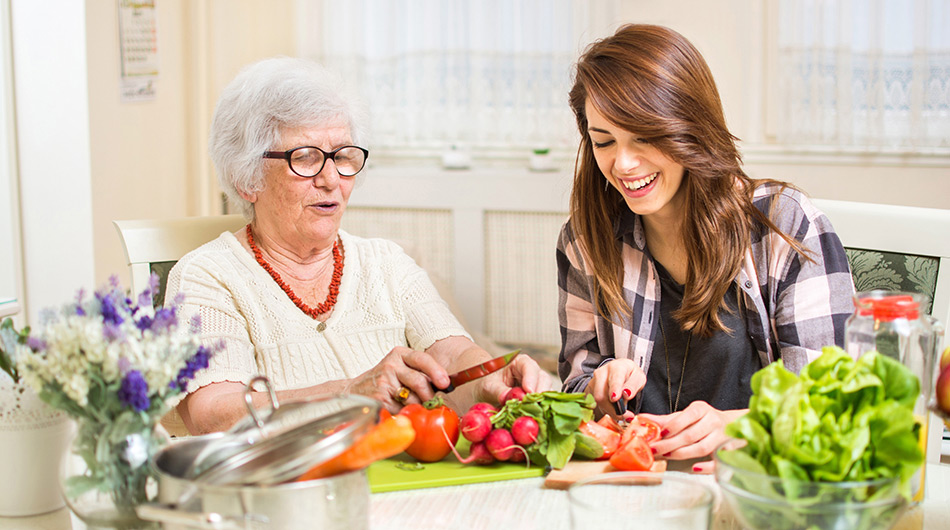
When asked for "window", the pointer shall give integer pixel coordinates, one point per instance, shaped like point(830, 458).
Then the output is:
point(9, 209)
point(869, 74)
point(486, 74)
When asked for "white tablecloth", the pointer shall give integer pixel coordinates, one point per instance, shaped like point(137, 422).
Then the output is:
point(521, 504)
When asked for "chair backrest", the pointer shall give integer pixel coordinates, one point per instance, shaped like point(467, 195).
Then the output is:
point(898, 248)
point(155, 245)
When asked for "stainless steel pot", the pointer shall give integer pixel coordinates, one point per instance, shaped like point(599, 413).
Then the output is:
point(244, 478)
point(336, 502)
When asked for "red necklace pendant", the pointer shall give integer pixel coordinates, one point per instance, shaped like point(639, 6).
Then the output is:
point(312, 312)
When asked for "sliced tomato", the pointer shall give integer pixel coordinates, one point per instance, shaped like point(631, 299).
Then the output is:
point(610, 423)
point(607, 437)
point(635, 455)
point(646, 429)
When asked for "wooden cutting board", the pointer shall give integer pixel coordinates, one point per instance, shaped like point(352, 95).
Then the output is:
point(575, 470)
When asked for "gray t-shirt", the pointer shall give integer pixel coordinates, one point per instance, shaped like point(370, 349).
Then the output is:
point(718, 368)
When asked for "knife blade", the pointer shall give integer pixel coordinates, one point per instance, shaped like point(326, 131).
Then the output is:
point(620, 407)
point(479, 370)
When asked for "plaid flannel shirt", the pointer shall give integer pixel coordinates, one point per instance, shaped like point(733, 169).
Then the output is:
point(794, 307)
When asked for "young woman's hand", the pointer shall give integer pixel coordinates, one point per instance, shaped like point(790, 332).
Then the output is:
point(618, 379)
point(523, 372)
point(693, 432)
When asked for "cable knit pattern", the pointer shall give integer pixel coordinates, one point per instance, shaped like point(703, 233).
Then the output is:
point(385, 300)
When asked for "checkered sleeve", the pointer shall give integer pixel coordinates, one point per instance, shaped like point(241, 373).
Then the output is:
point(812, 295)
point(580, 352)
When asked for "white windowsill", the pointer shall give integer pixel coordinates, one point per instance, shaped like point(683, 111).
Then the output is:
point(9, 307)
point(834, 155)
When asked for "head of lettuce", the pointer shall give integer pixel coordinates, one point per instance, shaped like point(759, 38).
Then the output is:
point(840, 420)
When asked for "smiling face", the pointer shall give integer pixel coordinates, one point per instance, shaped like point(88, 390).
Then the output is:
point(303, 213)
point(648, 180)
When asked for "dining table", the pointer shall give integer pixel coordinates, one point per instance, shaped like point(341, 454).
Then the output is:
point(526, 504)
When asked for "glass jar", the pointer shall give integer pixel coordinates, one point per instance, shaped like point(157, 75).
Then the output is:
point(107, 473)
point(893, 324)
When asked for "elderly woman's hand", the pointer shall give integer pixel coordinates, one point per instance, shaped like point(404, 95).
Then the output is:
point(402, 367)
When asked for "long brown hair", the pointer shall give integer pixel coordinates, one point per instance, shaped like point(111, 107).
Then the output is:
point(651, 81)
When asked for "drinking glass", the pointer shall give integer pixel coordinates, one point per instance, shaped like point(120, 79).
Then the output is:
point(640, 500)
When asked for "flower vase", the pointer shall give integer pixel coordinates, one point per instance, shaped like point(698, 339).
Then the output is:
point(33, 438)
point(108, 473)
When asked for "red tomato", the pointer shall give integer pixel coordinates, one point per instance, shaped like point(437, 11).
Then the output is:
point(635, 455)
point(607, 437)
point(643, 428)
point(430, 444)
point(607, 421)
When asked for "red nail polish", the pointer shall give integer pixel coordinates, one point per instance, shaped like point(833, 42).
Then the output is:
point(697, 469)
point(627, 392)
point(654, 450)
point(664, 432)
point(613, 395)
point(667, 455)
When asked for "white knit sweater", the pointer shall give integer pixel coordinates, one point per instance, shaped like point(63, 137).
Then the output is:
point(385, 300)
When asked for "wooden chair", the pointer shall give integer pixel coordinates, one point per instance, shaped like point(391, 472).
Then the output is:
point(155, 245)
point(898, 248)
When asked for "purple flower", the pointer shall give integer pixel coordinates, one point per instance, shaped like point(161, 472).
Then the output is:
point(199, 361)
point(36, 344)
point(134, 391)
point(165, 319)
point(147, 296)
point(144, 323)
point(195, 324)
point(110, 313)
point(112, 332)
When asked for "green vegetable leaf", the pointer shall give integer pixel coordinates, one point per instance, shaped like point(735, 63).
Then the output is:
point(899, 383)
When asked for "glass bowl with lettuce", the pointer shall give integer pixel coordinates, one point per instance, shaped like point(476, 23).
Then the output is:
point(832, 448)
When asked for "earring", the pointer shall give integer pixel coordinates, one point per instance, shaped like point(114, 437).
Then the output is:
point(606, 184)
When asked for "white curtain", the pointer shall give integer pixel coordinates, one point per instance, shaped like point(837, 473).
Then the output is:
point(471, 73)
point(864, 73)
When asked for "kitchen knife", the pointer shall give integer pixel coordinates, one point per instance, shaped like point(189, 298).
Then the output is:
point(480, 370)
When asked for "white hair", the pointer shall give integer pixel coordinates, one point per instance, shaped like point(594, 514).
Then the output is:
point(265, 99)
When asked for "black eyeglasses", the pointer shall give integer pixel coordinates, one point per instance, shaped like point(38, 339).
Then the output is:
point(308, 161)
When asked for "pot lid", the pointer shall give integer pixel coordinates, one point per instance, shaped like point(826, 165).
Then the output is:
point(284, 442)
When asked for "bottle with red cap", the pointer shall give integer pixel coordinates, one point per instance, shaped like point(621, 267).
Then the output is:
point(895, 324)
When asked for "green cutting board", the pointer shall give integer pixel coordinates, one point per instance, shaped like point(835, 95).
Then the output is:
point(401, 473)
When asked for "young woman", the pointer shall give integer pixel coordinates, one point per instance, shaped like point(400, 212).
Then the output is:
point(679, 275)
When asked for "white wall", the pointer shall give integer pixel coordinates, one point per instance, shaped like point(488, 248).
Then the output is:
point(149, 159)
point(115, 160)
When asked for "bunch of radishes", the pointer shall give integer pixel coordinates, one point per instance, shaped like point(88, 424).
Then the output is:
point(491, 443)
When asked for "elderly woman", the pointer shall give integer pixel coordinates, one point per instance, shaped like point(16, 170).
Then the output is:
point(294, 297)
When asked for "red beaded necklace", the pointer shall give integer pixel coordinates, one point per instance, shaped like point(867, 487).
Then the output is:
point(327, 304)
